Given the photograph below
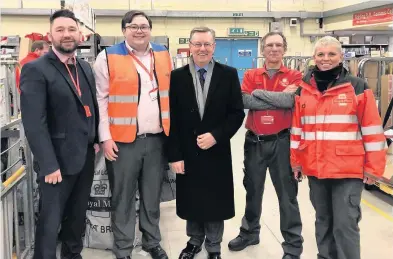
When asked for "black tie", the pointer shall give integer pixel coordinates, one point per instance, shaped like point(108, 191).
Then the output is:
point(201, 72)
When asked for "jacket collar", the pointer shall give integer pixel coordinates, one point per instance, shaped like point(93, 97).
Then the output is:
point(33, 55)
point(132, 50)
point(309, 83)
point(54, 54)
point(63, 58)
point(282, 69)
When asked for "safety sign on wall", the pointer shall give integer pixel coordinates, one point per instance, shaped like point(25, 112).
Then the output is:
point(244, 52)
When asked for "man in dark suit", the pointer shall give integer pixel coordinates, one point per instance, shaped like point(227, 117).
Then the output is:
point(206, 111)
point(60, 117)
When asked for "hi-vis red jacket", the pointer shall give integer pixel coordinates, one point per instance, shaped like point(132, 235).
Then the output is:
point(337, 134)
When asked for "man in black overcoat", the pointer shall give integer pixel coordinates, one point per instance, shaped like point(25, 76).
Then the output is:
point(206, 111)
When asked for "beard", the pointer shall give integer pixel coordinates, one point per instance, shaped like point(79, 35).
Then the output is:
point(65, 50)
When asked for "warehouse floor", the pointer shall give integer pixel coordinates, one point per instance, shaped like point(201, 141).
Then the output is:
point(376, 225)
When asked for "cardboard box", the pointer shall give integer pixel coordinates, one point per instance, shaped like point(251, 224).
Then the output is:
point(386, 96)
point(371, 69)
point(353, 67)
point(388, 174)
point(375, 53)
point(372, 84)
point(24, 47)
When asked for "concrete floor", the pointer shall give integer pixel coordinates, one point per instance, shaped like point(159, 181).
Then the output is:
point(376, 225)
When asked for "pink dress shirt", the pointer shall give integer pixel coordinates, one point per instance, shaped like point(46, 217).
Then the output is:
point(64, 58)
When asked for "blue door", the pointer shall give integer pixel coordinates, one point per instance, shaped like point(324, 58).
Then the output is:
point(223, 51)
point(243, 53)
point(238, 53)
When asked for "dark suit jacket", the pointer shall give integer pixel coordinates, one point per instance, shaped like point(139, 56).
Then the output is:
point(53, 115)
point(205, 191)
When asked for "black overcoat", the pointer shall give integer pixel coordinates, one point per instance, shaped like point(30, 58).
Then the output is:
point(205, 191)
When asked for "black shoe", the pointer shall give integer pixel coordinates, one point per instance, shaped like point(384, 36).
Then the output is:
point(157, 253)
point(127, 257)
point(190, 251)
point(74, 256)
point(288, 256)
point(214, 255)
point(239, 243)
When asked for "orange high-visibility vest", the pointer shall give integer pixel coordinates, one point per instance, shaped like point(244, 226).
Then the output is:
point(124, 87)
point(337, 134)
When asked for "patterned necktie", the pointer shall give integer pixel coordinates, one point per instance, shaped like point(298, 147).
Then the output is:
point(201, 72)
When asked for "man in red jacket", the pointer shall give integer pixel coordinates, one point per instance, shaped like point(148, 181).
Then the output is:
point(268, 93)
point(38, 49)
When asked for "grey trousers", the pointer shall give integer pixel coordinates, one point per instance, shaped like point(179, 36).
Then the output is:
point(273, 154)
point(139, 164)
point(337, 206)
point(210, 232)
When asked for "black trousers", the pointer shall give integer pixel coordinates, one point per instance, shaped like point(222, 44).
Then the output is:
point(272, 153)
point(337, 207)
point(209, 232)
point(64, 204)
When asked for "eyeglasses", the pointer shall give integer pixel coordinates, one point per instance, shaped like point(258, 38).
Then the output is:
point(199, 45)
point(135, 28)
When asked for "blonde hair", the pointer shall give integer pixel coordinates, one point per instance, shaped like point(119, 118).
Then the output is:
point(326, 41)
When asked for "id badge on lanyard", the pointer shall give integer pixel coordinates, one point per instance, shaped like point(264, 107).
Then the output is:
point(77, 86)
point(268, 119)
point(154, 92)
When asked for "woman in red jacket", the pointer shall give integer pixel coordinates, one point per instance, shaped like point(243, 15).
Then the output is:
point(338, 142)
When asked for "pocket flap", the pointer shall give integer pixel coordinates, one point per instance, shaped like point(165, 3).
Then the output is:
point(302, 146)
point(350, 150)
point(58, 135)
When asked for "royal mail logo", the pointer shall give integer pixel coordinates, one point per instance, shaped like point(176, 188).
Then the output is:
point(100, 188)
point(342, 96)
point(284, 82)
point(342, 100)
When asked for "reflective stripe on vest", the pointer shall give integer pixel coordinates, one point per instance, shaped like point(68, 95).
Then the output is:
point(296, 131)
point(122, 121)
point(164, 93)
point(371, 130)
point(295, 144)
point(375, 146)
point(123, 98)
point(327, 135)
point(165, 115)
point(326, 119)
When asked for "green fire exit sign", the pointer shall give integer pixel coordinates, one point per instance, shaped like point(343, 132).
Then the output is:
point(235, 31)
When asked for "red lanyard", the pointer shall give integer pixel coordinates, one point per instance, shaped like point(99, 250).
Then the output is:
point(265, 85)
point(151, 72)
point(76, 84)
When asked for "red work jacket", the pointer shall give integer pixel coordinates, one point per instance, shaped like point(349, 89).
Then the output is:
point(337, 134)
point(280, 119)
point(30, 57)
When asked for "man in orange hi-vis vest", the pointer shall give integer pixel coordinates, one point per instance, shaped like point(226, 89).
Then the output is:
point(132, 92)
point(338, 142)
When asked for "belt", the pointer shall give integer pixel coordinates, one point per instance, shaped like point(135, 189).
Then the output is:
point(271, 137)
point(146, 135)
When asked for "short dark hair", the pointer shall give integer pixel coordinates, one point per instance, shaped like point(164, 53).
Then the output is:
point(39, 44)
point(129, 16)
point(272, 33)
point(63, 13)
